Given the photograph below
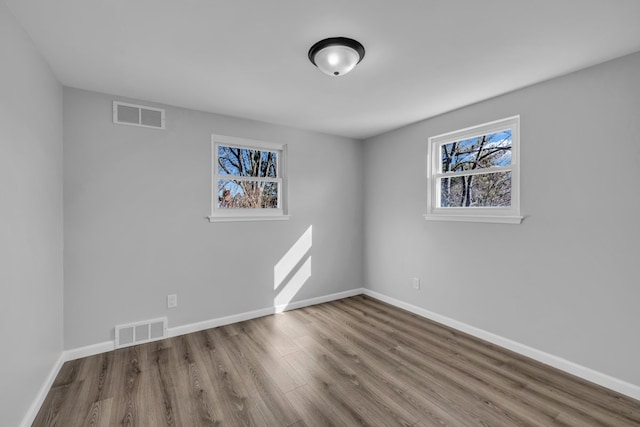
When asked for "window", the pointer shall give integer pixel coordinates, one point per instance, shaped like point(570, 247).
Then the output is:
point(248, 180)
point(473, 174)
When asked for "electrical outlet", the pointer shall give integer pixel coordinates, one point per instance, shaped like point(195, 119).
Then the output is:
point(416, 283)
point(172, 301)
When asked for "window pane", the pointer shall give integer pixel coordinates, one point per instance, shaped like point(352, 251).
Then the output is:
point(247, 162)
point(247, 194)
point(485, 151)
point(485, 190)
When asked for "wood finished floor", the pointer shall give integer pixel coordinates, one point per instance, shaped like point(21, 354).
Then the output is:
point(351, 362)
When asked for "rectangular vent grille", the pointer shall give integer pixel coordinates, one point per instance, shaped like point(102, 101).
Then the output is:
point(138, 115)
point(140, 332)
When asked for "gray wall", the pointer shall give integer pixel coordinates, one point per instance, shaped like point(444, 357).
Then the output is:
point(135, 202)
point(30, 220)
point(565, 281)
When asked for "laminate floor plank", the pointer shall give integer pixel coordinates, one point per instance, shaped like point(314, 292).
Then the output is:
point(59, 406)
point(69, 373)
point(96, 389)
point(450, 379)
point(148, 399)
point(60, 403)
point(125, 384)
point(480, 404)
point(356, 361)
point(367, 383)
point(574, 391)
point(256, 341)
point(265, 414)
point(260, 382)
point(486, 386)
point(162, 384)
point(343, 392)
point(433, 406)
point(293, 324)
point(99, 414)
point(394, 396)
point(228, 391)
point(191, 381)
point(317, 411)
point(590, 417)
point(278, 339)
point(522, 370)
point(534, 393)
point(426, 329)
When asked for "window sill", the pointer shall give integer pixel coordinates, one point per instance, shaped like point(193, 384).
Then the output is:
point(247, 218)
point(476, 218)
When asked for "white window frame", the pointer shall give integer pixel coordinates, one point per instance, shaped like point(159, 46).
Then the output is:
point(246, 214)
point(509, 215)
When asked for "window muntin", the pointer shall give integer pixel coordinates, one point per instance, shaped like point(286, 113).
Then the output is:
point(248, 179)
point(473, 174)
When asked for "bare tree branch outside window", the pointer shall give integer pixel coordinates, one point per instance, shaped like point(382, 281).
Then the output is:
point(491, 189)
point(248, 178)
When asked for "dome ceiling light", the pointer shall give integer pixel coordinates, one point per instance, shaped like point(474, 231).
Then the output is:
point(336, 56)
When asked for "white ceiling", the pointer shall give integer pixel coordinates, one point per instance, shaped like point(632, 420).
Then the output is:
point(248, 58)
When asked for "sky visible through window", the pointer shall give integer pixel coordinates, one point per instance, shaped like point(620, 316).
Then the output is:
point(479, 152)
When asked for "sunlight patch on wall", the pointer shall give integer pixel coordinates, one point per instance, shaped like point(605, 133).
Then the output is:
point(292, 271)
point(292, 287)
point(288, 262)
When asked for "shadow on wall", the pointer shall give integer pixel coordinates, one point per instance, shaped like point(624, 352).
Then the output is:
point(292, 271)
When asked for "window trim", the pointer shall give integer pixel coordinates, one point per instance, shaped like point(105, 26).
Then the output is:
point(258, 214)
point(510, 215)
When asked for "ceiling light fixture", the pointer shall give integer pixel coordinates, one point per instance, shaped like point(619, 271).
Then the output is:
point(336, 56)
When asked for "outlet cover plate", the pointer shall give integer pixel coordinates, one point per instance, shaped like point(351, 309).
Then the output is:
point(172, 301)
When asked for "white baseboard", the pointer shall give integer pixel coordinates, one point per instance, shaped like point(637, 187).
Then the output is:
point(89, 350)
point(220, 321)
point(227, 320)
point(103, 347)
point(319, 300)
point(31, 414)
point(588, 374)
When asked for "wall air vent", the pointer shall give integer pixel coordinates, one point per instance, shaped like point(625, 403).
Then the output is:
point(141, 332)
point(138, 115)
